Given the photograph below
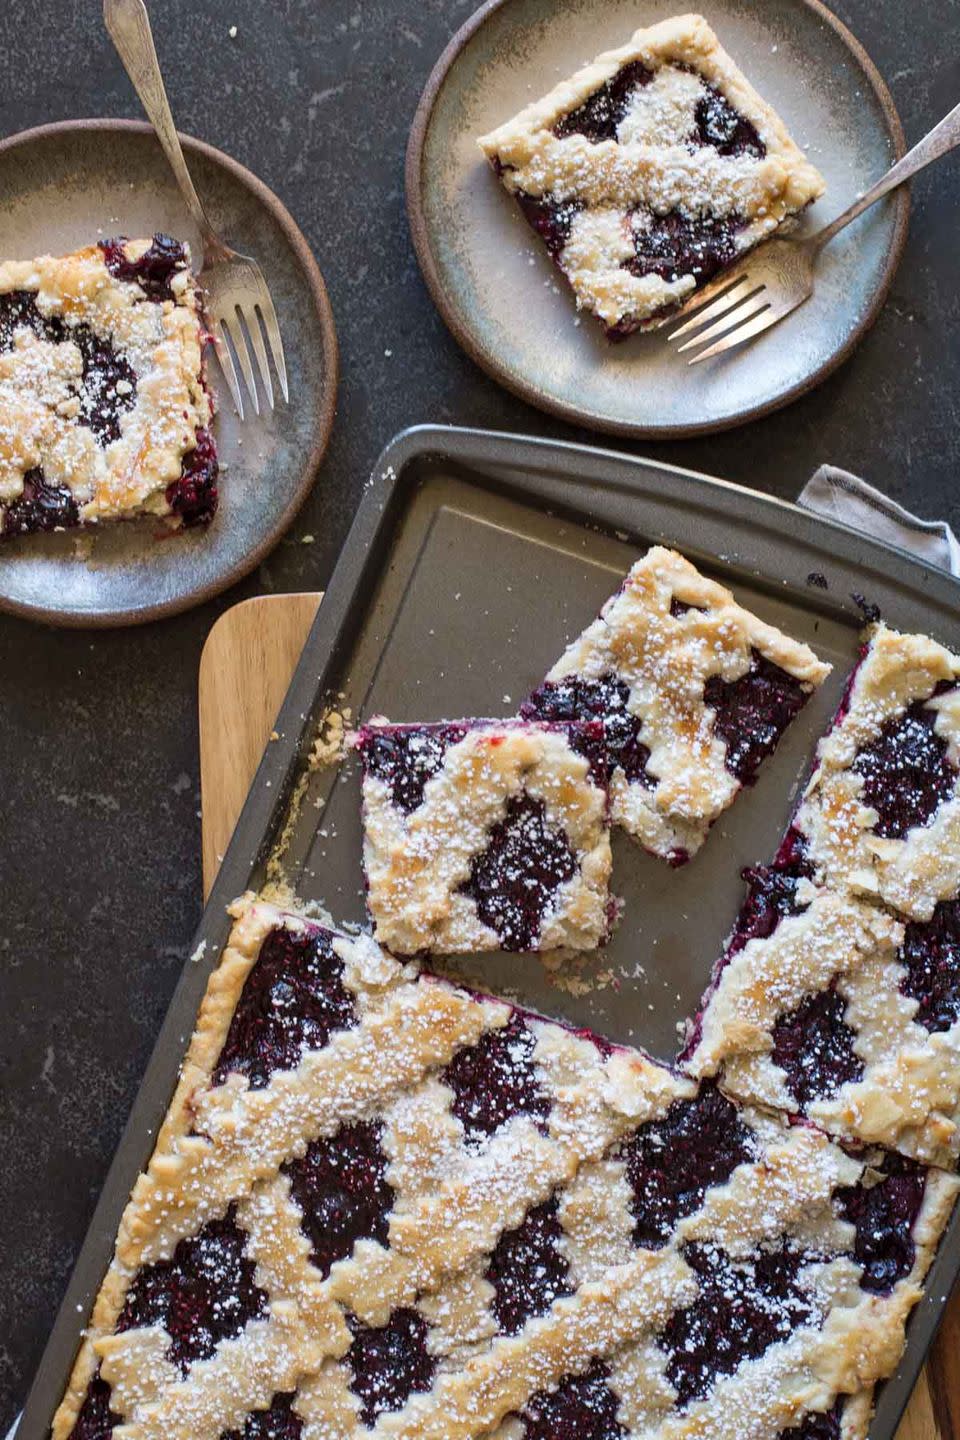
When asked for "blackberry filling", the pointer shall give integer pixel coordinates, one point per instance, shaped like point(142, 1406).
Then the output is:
point(884, 1215)
point(194, 495)
point(814, 1046)
point(677, 244)
point(582, 1407)
point(905, 771)
point(204, 1294)
point(671, 1163)
point(816, 1427)
point(721, 126)
point(40, 507)
point(752, 712)
point(389, 1363)
point(515, 880)
point(495, 1080)
point(931, 957)
point(280, 1422)
point(153, 271)
point(293, 1000)
point(744, 1307)
point(527, 1269)
point(771, 897)
point(574, 699)
point(341, 1188)
point(96, 1420)
point(598, 118)
point(405, 759)
point(550, 217)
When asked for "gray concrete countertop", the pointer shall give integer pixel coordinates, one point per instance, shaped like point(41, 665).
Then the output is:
point(100, 833)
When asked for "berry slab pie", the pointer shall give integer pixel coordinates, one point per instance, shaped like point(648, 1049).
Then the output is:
point(694, 692)
point(650, 170)
point(104, 413)
point(383, 1205)
point(486, 835)
point(881, 814)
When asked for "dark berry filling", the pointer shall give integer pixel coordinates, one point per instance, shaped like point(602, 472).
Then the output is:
point(582, 1407)
point(280, 1422)
point(813, 1044)
point(816, 1427)
point(671, 1163)
point(40, 507)
point(606, 699)
point(884, 1215)
point(515, 880)
point(931, 957)
point(194, 495)
point(153, 271)
point(341, 1188)
point(675, 244)
point(752, 712)
point(720, 125)
point(527, 1269)
point(96, 1420)
point(293, 1000)
point(680, 607)
point(389, 1363)
point(406, 758)
point(550, 217)
point(771, 897)
point(205, 1294)
point(497, 1079)
point(744, 1307)
point(905, 771)
point(599, 116)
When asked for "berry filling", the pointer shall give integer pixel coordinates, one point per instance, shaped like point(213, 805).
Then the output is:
point(551, 218)
point(527, 1269)
point(341, 1188)
point(816, 1427)
point(280, 1422)
point(752, 712)
point(744, 1307)
point(495, 1080)
point(40, 507)
point(194, 495)
point(293, 1000)
point(679, 608)
point(406, 758)
point(582, 1407)
point(905, 771)
point(719, 125)
point(515, 880)
point(931, 957)
point(884, 1215)
point(599, 117)
point(204, 1294)
point(153, 271)
point(607, 699)
point(96, 1420)
point(389, 1363)
point(813, 1045)
point(671, 1163)
point(676, 244)
point(771, 897)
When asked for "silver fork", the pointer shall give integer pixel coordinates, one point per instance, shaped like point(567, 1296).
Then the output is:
point(774, 280)
point(235, 288)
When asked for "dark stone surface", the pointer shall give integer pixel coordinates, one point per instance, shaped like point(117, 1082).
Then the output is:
point(99, 838)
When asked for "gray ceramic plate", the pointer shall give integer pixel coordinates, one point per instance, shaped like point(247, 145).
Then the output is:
point(64, 186)
point(502, 298)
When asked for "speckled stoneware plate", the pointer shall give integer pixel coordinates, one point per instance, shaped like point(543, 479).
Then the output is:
point(506, 304)
point(66, 185)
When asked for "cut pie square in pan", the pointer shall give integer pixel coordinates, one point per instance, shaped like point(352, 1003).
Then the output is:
point(486, 835)
point(104, 413)
point(650, 170)
point(383, 1205)
point(694, 691)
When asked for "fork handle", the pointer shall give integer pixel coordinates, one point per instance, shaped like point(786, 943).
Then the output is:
point(129, 27)
point(941, 139)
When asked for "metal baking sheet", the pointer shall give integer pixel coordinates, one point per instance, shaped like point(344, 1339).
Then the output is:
point(473, 558)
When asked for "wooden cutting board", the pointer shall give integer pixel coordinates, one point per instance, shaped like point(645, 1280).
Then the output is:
point(245, 668)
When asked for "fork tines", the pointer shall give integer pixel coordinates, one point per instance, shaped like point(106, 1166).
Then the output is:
point(730, 310)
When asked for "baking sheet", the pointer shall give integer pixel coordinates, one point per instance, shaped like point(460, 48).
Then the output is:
point(473, 558)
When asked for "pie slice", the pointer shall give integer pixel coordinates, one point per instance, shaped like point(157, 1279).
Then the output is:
point(694, 692)
point(383, 1205)
point(881, 814)
point(486, 835)
point(104, 412)
point(825, 1006)
point(650, 170)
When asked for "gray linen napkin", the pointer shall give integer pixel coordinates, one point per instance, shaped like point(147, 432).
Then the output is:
point(841, 496)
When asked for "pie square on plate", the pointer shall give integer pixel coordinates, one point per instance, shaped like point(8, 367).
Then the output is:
point(650, 170)
point(104, 413)
point(486, 835)
point(383, 1205)
point(695, 692)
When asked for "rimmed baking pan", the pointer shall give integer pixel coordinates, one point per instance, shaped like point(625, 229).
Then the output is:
point(472, 559)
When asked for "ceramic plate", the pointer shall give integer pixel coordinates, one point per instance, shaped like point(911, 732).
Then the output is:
point(506, 304)
point(64, 186)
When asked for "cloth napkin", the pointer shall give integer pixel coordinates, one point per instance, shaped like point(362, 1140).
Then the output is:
point(841, 496)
